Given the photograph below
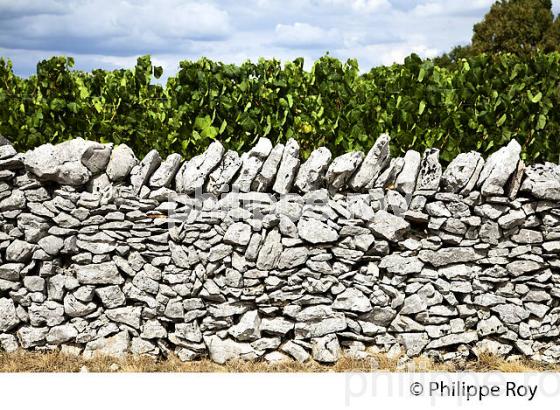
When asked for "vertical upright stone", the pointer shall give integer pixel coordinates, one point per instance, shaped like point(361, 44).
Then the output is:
point(406, 181)
point(288, 168)
point(375, 161)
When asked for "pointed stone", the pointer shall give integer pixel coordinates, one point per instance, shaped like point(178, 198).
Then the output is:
point(406, 181)
point(342, 168)
point(164, 175)
point(389, 176)
point(464, 168)
point(498, 168)
point(311, 174)
point(252, 163)
point(430, 173)
point(264, 180)
point(193, 174)
point(373, 164)
point(288, 168)
point(142, 172)
point(219, 180)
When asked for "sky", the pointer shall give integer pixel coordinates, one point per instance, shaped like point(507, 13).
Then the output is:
point(110, 34)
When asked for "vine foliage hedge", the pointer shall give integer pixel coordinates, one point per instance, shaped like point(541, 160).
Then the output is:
point(480, 104)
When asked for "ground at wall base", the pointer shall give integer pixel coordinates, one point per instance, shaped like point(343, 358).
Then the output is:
point(41, 362)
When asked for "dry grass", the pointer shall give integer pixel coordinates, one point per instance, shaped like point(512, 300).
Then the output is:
point(56, 362)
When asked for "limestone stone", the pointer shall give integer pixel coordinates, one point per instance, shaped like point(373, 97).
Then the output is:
point(341, 169)
point(251, 163)
point(51, 244)
point(62, 334)
point(453, 339)
point(219, 180)
point(352, 300)
point(447, 256)
point(19, 251)
point(15, 201)
point(113, 346)
point(276, 326)
point(430, 172)
point(388, 177)
point(193, 174)
point(463, 169)
point(288, 168)
point(121, 162)
point(498, 168)
point(238, 233)
point(315, 231)
point(111, 296)
point(266, 176)
point(165, 174)
point(401, 265)
point(296, 351)
point(388, 226)
point(223, 350)
point(511, 314)
point(248, 328)
point(311, 174)
point(406, 180)
point(71, 162)
point(373, 164)
point(326, 349)
point(542, 181)
point(270, 251)
point(293, 257)
point(105, 273)
point(8, 315)
point(30, 336)
point(141, 173)
point(414, 343)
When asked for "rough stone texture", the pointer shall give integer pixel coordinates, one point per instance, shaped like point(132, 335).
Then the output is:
point(341, 169)
point(464, 168)
point(406, 180)
point(251, 163)
point(100, 254)
point(498, 168)
point(69, 163)
point(288, 168)
point(375, 161)
point(193, 174)
point(141, 173)
point(430, 173)
point(122, 161)
point(166, 172)
point(264, 180)
point(219, 180)
point(311, 174)
point(315, 231)
point(388, 226)
point(542, 181)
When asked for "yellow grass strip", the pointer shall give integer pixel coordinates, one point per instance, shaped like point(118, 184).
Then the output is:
point(23, 361)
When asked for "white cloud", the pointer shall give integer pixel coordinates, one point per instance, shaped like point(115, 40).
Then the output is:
point(303, 35)
point(451, 7)
point(112, 33)
point(362, 6)
point(117, 26)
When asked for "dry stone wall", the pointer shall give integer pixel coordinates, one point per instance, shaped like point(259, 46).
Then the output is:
point(264, 255)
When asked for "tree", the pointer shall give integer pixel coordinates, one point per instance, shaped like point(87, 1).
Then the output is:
point(551, 40)
point(515, 26)
point(450, 59)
